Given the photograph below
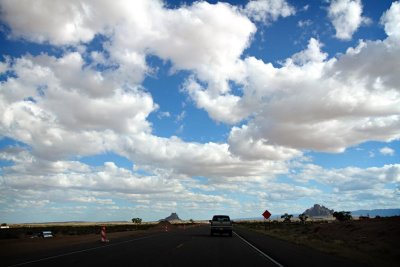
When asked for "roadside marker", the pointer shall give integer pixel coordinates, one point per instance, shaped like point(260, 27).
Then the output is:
point(103, 235)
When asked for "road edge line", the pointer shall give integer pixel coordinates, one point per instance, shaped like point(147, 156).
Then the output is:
point(258, 250)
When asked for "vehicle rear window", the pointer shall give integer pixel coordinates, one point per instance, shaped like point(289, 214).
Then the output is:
point(221, 218)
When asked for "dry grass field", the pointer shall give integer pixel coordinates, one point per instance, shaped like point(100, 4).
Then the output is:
point(373, 242)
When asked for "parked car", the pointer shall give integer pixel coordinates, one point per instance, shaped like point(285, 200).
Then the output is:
point(221, 224)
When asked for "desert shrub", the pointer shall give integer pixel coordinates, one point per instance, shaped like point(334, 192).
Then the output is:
point(137, 220)
point(286, 217)
point(303, 218)
point(342, 216)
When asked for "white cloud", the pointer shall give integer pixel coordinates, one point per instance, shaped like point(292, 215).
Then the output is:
point(39, 183)
point(309, 103)
point(70, 25)
point(220, 107)
point(205, 38)
point(267, 11)
point(63, 108)
point(387, 151)
point(351, 178)
point(211, 160)
point(3, 67)
point(69, 104)
point(391, 21)
point(346, 17)
point(312, 54)
point(70, 182)
point(322, 104)
point(64, 114)
point(30, 173)
point(242, 142)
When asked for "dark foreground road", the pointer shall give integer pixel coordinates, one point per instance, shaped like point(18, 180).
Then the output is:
point(190, 247)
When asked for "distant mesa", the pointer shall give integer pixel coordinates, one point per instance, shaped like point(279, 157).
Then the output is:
point(318, 211)
point(171, 218)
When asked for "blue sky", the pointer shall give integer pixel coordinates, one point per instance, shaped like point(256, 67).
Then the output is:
point(142, 108)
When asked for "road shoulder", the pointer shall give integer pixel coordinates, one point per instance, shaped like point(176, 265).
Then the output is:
point(289, 254)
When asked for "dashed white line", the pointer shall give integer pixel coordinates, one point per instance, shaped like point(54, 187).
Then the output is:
point(259, 251)
point(79, 251)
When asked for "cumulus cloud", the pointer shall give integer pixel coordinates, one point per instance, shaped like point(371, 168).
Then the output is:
point(54, 104)
point(244, 143)
point(61, 114)
point(191, 36)
point(67, 106)
point(31, 173)
point(312, 54)
point(333, 109)
point(312, 102)
point(220, 107)
point(211, 160)
point(346, 17)
point(267, 11)
point(41, 183)
point(391, 21)
point(69, 26)
point(72, 22)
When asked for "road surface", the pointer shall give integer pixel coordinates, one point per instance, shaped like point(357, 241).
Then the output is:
point(190, 247)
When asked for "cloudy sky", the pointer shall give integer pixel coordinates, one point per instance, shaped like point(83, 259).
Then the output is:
point(111, 110)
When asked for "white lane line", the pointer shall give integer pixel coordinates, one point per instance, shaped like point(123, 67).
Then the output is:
point(259, 251)
point(80, 251)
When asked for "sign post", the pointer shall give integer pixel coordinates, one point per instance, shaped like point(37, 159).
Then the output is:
point(266, 216)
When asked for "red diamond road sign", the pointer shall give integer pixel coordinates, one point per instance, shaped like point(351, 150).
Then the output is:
point(266, 214)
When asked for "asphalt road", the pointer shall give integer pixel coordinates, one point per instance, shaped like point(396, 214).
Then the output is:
point(190, 247)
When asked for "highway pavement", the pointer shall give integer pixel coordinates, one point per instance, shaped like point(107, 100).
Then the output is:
point(190, 247)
